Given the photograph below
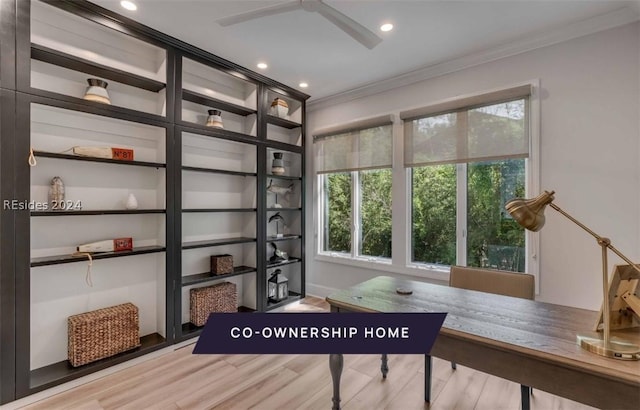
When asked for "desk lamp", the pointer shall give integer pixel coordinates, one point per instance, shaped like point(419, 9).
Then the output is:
point(529, 213)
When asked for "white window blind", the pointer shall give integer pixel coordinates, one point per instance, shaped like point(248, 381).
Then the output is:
point(360, 145)
point(479, 128)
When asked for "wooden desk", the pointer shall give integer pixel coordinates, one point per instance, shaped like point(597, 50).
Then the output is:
point(528, 342)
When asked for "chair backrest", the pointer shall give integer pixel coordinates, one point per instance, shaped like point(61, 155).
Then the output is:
point(516, 284)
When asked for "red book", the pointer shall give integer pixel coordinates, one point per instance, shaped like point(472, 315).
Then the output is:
point(123, 244)
point(122, 154)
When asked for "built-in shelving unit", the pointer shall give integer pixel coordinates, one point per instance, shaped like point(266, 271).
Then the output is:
point(201, 191)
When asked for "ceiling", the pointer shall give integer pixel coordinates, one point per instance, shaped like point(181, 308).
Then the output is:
point(301, 46)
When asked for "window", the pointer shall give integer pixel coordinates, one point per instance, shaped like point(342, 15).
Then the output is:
point(354, 175)
point(467, 158)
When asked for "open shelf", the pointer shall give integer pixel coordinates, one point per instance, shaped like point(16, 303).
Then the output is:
point(216, 103)
point(283, 238)
point(283, 263)
point(59, 259)
point(219, 171)
point(99, 212)
point(190, 330)
point(283, 209)
point(283, 177)
point(208, 276)
point(204, 210)
point(51, 56)
point(216, 132)
point(44, 154)
point(215, 242)
point(293, 296)
point(63, 371)
point(281, 122)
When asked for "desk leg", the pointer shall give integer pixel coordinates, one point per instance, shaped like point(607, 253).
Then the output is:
point(427, 378)
point(336, 362)
point(384, 366)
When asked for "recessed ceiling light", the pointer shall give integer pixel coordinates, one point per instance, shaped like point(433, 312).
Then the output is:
point(303, 85)
point(386, 27)
point(129, 5)
point(262, 65)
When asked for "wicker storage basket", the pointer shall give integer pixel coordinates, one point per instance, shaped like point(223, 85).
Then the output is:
point(221, 264)
point(102, 333)
point(217, 298)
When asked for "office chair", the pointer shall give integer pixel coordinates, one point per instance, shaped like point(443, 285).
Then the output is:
point(516, 284)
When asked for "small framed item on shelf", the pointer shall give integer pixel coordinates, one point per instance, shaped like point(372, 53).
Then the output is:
point(122, 154)
point(222, 298)
point(102, 333)
point(110, 245)
point(221, 264)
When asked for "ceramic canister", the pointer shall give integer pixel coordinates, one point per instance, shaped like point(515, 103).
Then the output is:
point(277, 166)
point(215, 119)
point(97, 91)
point(279, 108)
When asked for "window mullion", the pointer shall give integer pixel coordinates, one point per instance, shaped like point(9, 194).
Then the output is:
point(355, 214)
point(461, 214)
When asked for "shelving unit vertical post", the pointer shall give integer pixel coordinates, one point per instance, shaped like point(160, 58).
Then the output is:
point(7, 188)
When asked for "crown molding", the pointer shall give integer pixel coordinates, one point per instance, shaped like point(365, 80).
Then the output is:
point(602, 22)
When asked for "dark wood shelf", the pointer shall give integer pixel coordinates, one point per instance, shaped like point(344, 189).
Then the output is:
point(211, 102)
point(99, 212)
point(293, 296)
point(59, 259)
point(284, 177)
point(283, 146)
point(281, 122)
point(289, 261)
point(70, 102)
point(61, 372)
point(219, 171)
point(51, 56)
point(283, 238)
point(214, 132)
point(44, 154)
point(206, 210)
point(190, 330)
point(283, 209)
point(189, 280)
point(216, 242)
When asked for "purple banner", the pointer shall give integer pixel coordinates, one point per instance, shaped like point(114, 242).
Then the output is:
point(318, 333)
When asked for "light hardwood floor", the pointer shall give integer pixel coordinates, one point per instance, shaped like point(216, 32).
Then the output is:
point(180, 380)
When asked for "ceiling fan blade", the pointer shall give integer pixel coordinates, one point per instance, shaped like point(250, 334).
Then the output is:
point(356, 30)
point(261, 12)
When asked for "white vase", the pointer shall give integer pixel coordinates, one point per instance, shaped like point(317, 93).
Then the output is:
point(132, 202)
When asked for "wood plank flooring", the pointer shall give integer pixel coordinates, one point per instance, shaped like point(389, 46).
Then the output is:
point(180, 380)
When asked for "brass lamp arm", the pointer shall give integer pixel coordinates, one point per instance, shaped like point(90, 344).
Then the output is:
point(602, 241)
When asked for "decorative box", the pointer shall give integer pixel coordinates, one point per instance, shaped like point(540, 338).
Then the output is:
point(102, 333)
point(221, 264)
point(217, 298)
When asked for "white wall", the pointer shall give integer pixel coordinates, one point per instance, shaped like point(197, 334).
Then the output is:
point(589, 150)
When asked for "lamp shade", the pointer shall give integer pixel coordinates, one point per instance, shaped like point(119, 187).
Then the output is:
point(529, 213)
